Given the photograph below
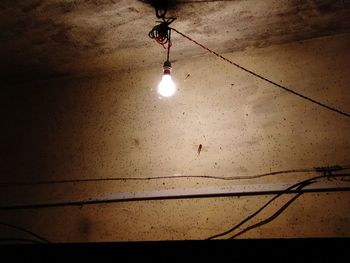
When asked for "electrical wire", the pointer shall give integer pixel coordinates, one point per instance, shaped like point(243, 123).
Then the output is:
point(248, 177)
point(258, 211)
point(299, 190)
point(263, 78)
point(91, 201)
point(299, 186)
point(269, 219)
point(161, 33)
point(26, 231)
point(16, 240)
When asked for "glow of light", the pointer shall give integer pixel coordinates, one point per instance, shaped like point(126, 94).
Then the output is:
point(166, 87)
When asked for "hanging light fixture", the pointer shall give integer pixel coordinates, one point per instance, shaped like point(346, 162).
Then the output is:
point(166, 87)
point(162, 34)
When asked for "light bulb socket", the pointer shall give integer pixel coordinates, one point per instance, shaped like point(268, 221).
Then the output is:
point(167, 68)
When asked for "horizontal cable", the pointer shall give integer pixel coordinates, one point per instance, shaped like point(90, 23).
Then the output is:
point(228, 178)
point(176, 194)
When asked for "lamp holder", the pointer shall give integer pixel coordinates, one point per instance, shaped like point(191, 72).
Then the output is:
point(167, 68)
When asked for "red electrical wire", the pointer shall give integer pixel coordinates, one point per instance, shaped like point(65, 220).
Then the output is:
point(263, 78)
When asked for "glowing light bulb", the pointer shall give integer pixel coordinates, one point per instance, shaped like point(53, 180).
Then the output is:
point(166, 87)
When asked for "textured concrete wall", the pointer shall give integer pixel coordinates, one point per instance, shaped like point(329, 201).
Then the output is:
point(115, 125)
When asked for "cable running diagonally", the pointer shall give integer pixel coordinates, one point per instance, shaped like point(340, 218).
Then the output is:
point(263, 78)
point(299, 187)
point(42, 240)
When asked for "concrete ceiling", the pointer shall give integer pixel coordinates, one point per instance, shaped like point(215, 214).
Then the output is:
point(43, 39)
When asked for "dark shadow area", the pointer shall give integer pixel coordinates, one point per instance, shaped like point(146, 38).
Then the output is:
point(30, 115)
point(253, 250)
point(29, 42)
point(162, 4)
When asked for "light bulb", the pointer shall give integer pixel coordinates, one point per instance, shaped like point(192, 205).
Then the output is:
point(166, 87)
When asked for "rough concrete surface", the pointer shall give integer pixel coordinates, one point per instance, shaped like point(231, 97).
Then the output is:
point(79, 101)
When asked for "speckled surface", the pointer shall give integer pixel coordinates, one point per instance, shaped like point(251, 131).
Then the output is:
point(115, 125)
point(43, 39)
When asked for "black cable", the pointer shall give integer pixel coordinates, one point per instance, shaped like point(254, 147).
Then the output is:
point(16, 240)
point(136, 199)
point(161, 32)
point(263, 78)
point(169, 45)
point(269, 219)
point(25, 231)
point(228, 178)
point(256, 212)
point(299, 186)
